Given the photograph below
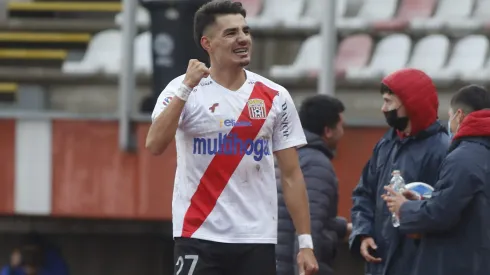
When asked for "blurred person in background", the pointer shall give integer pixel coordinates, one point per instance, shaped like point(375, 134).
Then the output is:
point(228, 124)
point(36, 257)
point(415, 144)
point(454, 222)
point(322, 120)
point(14, 264)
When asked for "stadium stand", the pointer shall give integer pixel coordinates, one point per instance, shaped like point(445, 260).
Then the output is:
point(142, 18)
point(312, 16)
point(276, 13)
point(447, 10)
point(445, 38)
point(371, 11)
point(469, 54)
point(391, 53)
point(62, 6)
point(430, 53)
point(480, 19)
point(408, 10)
point(8, 92)
point(102, 48)
point(305, 64)
point(353, 53)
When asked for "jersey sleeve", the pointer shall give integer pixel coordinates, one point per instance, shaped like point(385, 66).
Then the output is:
point(288, 131)
point(164, 99)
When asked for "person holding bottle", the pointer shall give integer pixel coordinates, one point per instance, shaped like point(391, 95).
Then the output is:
point(416, 145)
point(454, 221)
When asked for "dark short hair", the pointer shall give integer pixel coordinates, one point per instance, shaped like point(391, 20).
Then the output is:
point(385, 90)
point(206, 15)
point(471, 98)
point(320, 111)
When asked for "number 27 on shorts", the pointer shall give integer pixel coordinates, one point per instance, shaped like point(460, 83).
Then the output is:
point(190, 262)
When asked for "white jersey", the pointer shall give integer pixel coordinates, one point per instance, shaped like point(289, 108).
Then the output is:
point(225, 187)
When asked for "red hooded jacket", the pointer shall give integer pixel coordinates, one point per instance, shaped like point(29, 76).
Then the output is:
point(418, 94)
point(475, 124)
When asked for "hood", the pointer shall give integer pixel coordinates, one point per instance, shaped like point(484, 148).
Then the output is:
point(475, 124)
point(316, 142)
point(418, 94)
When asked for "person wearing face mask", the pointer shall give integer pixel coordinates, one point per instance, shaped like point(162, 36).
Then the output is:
point(415, 144)
point(454, 222)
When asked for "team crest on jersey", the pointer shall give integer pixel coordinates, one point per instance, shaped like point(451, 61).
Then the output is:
point(166, 101)
point(256, 108)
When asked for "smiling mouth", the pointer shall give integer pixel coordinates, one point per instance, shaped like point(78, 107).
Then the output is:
point(241, 51)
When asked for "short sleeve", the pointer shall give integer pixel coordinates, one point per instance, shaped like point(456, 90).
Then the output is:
point(164, 100)
point(288, 131)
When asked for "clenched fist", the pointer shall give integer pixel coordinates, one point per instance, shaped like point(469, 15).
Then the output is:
point(196, 70)
point(307, 263)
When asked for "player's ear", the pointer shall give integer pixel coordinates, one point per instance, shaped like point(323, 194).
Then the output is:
point(206, 43)
point(327, 132)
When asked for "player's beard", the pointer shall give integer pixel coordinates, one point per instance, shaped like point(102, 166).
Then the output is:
point(244, 64)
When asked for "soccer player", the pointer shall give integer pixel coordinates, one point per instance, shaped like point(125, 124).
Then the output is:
point(228, 124)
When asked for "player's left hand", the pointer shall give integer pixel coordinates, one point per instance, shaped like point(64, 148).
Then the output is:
point(307, 263)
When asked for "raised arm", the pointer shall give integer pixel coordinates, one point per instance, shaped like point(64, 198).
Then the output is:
point(169, 109)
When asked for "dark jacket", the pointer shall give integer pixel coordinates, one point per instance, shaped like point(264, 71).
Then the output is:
point(456, 220)
point(418, 157)
point(326, 228)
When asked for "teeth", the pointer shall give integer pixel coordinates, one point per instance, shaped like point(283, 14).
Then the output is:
point(240, 51)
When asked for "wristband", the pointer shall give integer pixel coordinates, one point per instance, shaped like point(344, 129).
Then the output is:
point(305, 241)
point(183, 92)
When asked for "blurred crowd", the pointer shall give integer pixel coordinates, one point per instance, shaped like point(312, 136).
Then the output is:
point(35, 256)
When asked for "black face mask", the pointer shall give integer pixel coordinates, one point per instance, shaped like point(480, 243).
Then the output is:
point(399, 123)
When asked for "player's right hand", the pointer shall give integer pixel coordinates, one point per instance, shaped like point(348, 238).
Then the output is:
point(368, 244)
point(196, 70)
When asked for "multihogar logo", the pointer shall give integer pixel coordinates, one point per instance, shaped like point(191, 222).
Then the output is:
point(231, 144)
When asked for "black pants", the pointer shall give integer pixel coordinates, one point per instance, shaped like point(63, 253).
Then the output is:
point(199, 257)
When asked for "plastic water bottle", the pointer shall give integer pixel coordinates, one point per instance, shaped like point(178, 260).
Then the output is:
point(398, 184)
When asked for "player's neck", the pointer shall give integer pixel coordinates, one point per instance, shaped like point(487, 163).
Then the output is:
point(231, 79)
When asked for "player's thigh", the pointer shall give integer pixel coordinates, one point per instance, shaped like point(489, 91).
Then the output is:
point(260, 259)
point(195, 257)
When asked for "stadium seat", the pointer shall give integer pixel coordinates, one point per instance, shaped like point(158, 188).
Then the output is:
point(253, 7)
point(143, 62)
point(391, 53)
point(479, 76)
point(32, 57)
point(407, 11)
point(354, 52)
point(44, 37)
point(8, 92)
point(276, 12)
point(64, 6)
point(430, 53)
point(311, 19)
point(104, 47)
point(142, 57)
point(479, 19)
point(307, 61)
point(371, 10)
point(142, 18)
point(447, 10)
point(469, 54)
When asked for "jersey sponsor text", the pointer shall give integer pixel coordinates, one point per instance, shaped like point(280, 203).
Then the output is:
point(231, 144)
